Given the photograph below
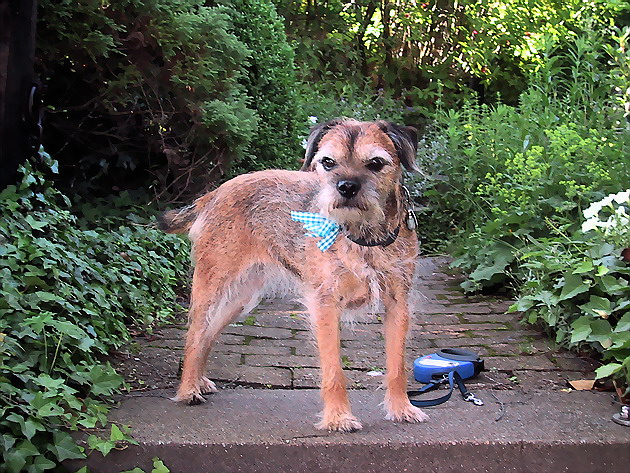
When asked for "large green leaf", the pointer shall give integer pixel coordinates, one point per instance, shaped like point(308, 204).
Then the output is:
point(598, 307)
point(573, 285)
point(607, 370)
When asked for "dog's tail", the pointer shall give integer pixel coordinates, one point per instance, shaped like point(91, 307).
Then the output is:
point(178, 220)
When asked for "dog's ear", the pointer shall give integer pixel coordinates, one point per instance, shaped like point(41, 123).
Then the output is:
point(405, 139)
point(315, 136)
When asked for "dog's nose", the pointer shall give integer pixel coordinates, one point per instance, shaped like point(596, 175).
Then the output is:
point(348, 188)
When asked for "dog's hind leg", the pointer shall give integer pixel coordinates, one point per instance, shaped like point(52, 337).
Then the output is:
point(215, 303)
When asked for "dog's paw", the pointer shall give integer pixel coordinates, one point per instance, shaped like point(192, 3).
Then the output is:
point(192, 399)
point(406, 413)
point(206, 386)
point(339, 422)
point(193, 396)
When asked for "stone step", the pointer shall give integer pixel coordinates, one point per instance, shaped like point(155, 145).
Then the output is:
point(250, 431)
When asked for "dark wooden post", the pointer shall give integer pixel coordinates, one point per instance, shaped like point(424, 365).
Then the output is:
point(20, 113)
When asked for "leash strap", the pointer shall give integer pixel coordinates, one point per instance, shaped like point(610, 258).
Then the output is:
point(453, 377)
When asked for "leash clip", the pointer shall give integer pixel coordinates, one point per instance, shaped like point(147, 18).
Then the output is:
point(470, 397)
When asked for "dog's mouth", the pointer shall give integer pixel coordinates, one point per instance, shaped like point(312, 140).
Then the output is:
point(350, 204)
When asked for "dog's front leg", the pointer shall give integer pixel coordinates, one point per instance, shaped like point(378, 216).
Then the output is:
point(337, 414)
point(396, 325)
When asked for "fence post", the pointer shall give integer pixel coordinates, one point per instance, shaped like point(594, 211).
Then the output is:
point(20, 110)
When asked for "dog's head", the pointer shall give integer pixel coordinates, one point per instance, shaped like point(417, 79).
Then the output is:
point(360, 166)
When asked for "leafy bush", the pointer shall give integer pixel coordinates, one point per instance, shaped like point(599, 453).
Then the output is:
point(271, 85)
point(69, 290)
point(515, 181)
point(579, 289)
point(165, 93)
point(508, 173)
point(332, 99)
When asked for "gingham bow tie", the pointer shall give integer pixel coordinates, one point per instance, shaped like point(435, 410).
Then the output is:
point(318, 227)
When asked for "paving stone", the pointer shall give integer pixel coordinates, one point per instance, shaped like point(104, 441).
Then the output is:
point(461, 342)
point(433, 319)
point(306, 378)
point(303, 335)
point(361, 333)
point(491, 317)
point(293, 343)
point(474, 308)
point(252, 349)
point(546, 380)
point(219, 359)
point(252, 375)
point(515, 363)
point(278, 321)
point(172, 333)
point(570, 362)
point(278, 306)
point(288, 361)
point(417, 342)
point(258, 332)
point(171, 344)
point(230, 339)
point(306, 349)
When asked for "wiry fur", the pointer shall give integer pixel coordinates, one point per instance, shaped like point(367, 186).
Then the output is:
point(244, 243)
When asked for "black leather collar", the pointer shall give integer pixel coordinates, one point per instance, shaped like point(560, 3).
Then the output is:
point(391, 238)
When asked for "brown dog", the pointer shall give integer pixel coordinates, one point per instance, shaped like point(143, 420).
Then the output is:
point(244, 236)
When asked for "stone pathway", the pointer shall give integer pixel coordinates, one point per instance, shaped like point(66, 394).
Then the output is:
point(272, 348)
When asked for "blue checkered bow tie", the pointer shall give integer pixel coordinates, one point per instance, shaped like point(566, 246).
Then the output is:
point(318, 227)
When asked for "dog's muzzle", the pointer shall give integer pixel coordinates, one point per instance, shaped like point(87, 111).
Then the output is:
point(348, 188)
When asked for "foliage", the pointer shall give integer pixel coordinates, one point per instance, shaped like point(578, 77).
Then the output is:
point(69, 290)
point(271, 86)
point(579, 289)
point(328, 100)
point(415, 48)
point(517, 183)
point(509, 173)
point(165, 93)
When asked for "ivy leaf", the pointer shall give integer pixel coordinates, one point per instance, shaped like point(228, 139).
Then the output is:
point(116, 434)
point(159, 466)
point(15, 459)
point(40, 464)
point(102, 445)
point(29, 426)
point(64, 447)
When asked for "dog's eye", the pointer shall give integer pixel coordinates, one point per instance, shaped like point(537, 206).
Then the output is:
point(375, 164)
point(328, 163)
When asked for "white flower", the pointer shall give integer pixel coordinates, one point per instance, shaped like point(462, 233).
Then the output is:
point(312, 119)
point(622, 197)
point(589, 225)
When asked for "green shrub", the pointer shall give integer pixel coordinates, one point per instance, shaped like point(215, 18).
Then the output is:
point(69, 290)
point(333, 99)
point(271, 85)
point(166, 93)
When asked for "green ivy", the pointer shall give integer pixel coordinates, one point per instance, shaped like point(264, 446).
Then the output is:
point(69, 290)
point(579, 289)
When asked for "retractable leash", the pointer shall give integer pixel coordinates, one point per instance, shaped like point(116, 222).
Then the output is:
point(452, 366)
